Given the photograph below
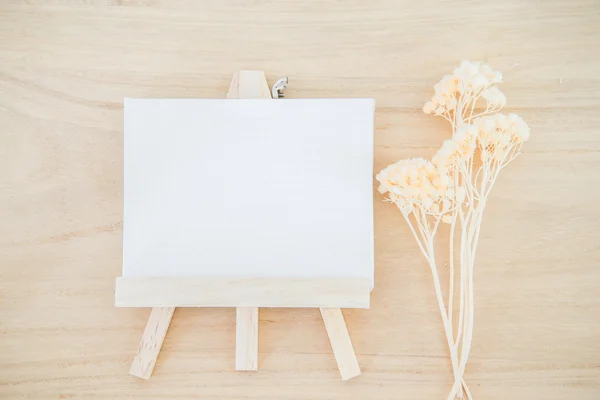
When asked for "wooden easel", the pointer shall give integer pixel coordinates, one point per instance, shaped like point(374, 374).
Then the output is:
point(327, 294)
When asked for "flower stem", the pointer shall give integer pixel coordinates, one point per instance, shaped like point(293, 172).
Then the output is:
point(451, 280)
point(445, 322)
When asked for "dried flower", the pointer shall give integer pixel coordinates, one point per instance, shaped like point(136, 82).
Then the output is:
point(447, 154)
point(453, 188)
point(456, 95)
point(415, 182)
point(494, 97)
point(500, 137)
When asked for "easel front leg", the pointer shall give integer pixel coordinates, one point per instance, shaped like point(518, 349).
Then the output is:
point(246, 339)
point(340, 342)
point(152, 340)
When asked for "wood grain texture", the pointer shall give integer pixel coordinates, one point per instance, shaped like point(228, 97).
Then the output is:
point(345, 357)
point(249, 84)
point(151, 343)
point(66, 66)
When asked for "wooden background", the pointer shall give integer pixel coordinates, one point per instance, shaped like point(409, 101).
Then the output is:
point(65, 67)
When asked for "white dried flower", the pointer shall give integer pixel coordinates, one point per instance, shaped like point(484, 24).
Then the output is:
point(447, 154)
point(494, 96)
point(415, 182)
point(466, 139)
point(453, 188)
point(501, 130)
point(429, 107)
point(519, 128)
point(457, 92)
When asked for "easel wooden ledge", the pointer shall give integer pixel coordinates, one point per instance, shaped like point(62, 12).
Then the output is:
point(246, 294)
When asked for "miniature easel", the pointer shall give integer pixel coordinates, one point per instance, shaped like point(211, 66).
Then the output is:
point(327, 294)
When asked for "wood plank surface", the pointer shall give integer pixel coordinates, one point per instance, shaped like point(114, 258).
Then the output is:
point(65, 67)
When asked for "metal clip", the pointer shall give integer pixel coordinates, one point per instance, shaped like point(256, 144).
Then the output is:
point(277, 90)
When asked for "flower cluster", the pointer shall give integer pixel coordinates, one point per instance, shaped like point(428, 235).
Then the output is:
point(494, 97)
point(467, 83)
point(475, 76)
point(460, 148)
point(433, 186)
point(416, 183)
point(493, 129)
point(498, 134)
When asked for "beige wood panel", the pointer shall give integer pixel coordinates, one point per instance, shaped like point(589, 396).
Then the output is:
point(347, 292)
point(65, 66)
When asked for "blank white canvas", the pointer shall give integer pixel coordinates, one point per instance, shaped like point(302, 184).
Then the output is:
point(248, 188)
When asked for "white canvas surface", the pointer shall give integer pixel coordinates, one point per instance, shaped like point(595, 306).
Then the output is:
point(248, 188)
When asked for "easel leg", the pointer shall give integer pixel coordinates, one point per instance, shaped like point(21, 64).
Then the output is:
point(246, 338)
point(340, 342)
point(151, 342)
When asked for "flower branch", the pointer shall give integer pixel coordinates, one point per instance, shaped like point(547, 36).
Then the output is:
point(453, 188)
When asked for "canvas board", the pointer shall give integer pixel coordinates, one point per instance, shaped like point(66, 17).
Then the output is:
point(248, 188)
